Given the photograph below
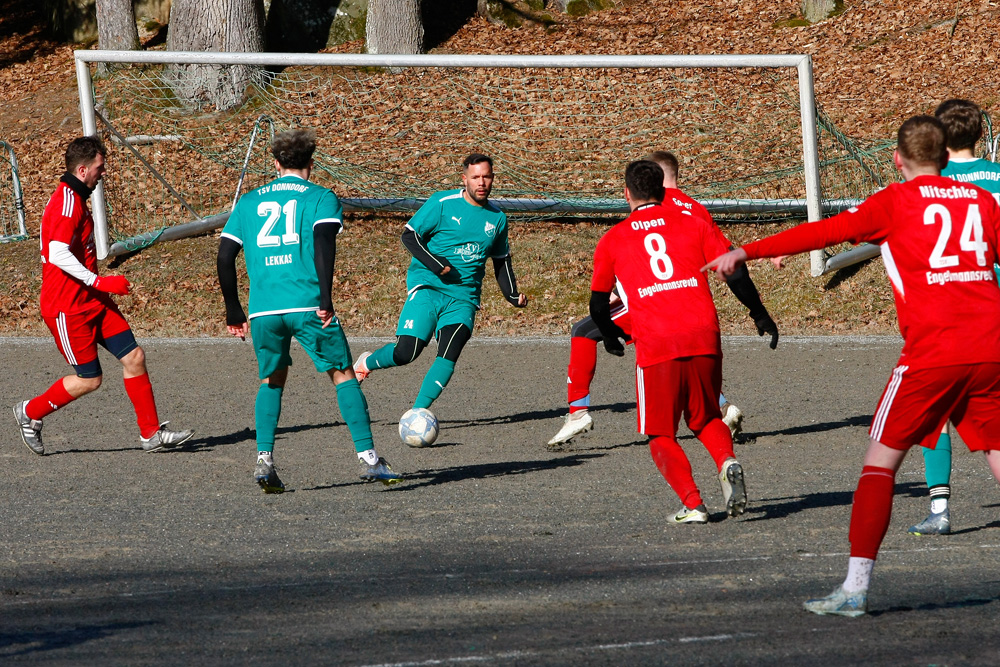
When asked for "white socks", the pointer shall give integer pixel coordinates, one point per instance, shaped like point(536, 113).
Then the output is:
point(369, 456)
point(859, 574)
point(939, 505)
point(265, 457)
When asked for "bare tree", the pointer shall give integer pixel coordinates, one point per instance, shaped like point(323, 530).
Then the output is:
point(214, 25)
point(116, 28)
point(394, 26)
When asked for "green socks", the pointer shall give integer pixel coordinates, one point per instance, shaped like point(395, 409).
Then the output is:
point(937, 462)
point(354, 410)
point(434, 382)
point(381, 358)
point(266, 413)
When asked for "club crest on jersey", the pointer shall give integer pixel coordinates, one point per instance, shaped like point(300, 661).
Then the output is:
point(470, 252)
point(491, 229)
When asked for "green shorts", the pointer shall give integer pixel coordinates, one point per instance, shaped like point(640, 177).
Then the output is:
point(272, 337)
point(427, 311)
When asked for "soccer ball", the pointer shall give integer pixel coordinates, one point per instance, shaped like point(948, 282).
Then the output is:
point(418, 427)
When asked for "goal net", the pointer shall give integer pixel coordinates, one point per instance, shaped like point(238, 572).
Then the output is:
point(393, 129)
point(11, 197)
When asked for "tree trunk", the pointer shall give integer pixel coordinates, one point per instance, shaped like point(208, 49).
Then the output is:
point(116, 28)
point(817, 10)
point(214, 25)
point(394, 26)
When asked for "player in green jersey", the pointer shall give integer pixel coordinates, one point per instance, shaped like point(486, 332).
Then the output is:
point(450, 238)
point(963, 126)
point(288, 230)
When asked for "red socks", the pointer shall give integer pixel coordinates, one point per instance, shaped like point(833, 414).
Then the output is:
point(675, 468)
point(871, 511)
point(54, 398)
point(582, 363)
point(140, 392)
point(718, 441)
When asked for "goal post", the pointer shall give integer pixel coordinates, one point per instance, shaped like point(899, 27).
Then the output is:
point(599, 113)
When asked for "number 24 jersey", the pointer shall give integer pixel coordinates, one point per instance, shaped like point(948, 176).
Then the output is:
point(655, 257)
point(939, 244)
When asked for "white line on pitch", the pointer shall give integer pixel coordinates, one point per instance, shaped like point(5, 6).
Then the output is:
point(882, 552)
point(506, 655)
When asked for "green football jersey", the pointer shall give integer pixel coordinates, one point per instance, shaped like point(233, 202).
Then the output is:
point(462, 233)
point(274, 224)
point(977, 171)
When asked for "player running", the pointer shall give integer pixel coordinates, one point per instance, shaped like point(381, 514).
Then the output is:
point(584, 335)
point(79, 311)
point(288, 230)
point(655, 257)
point(939, 244)
point(963, 126)
point(450, 237)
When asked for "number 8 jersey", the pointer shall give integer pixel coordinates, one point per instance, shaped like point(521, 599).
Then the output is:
point(274, 224)
point(655, 256)
point(939, 244)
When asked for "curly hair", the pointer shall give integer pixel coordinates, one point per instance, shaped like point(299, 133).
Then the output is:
point(293, 149)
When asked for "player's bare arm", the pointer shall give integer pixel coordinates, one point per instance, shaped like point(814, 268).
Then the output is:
point(504, 273)
point(225, 266)
point(414, 243)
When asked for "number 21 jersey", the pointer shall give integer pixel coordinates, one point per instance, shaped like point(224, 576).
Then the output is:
point(274, 224)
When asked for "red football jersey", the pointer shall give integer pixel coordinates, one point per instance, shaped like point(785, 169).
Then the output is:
point(655, 257)
point(939, 244)
point(676, 198)
point(67, 219)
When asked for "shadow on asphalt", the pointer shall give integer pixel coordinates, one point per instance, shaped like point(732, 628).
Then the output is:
point(433, 477)
point(13, 644)
point(776, 508)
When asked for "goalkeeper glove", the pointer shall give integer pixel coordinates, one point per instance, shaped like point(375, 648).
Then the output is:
point(765, 325)
point(112, 285)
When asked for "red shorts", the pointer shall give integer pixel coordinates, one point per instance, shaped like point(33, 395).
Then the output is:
point(918, 401)
point(689, 386)
point(77, 334)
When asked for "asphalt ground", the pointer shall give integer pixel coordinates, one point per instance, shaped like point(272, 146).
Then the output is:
point(494, 550)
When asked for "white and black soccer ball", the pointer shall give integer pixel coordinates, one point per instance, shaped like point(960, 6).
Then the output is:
point(418, 427)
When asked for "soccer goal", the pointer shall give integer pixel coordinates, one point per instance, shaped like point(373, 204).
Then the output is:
point(11, 197)
point(393, 129)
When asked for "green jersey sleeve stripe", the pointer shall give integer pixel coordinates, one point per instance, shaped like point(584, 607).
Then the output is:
point(226, 235)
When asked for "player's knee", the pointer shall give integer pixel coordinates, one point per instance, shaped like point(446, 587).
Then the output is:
point(85, 385)
point(135, 361)
point(407, 349)
point(451, 341)
point(586, 328)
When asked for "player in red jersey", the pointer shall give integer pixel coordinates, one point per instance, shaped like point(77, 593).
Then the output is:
point(939, 244)
point(584, 335)
point(654, 257)
point(77, 307)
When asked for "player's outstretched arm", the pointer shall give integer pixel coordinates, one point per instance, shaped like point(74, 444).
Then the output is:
point(600, 312)
point(325, 256)
point(727, 263)
point(504, 273)
point(743, 288)
point(418, 248)
point(225, 266)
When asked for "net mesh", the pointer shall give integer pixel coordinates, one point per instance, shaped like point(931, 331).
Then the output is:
point(11, 200)
point(557, 135)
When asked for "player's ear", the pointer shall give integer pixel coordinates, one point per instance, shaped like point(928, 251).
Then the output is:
point(897, 159)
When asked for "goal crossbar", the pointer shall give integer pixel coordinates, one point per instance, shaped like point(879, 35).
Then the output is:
point(801, 63)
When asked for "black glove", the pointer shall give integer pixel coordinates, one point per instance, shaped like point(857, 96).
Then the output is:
point(765, 325)
point(613, 343)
